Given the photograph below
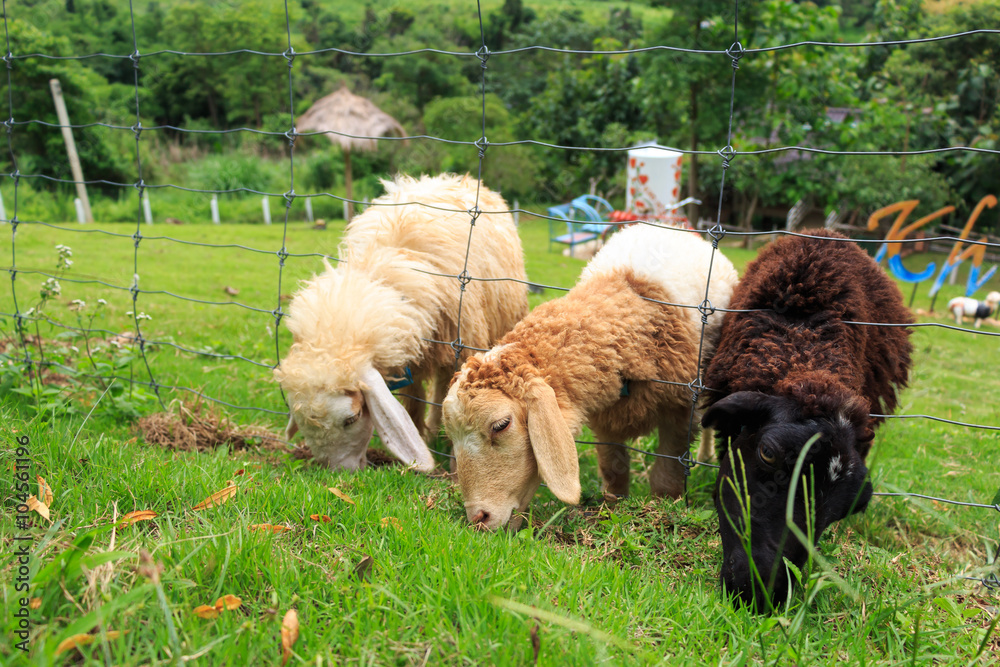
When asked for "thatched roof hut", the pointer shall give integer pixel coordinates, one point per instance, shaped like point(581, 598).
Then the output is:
point(353, 123)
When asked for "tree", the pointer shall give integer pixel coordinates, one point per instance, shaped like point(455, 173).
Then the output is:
point(40, 149)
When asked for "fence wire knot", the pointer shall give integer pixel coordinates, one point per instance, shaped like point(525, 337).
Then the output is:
point(474, 213)
point(483, 54)
point(9, 59)
point(278, 313)
point(135, 243)
point(291, 135)
point(706, 308)
point(992, 582)
point(282, 255)
point(9, 124)
point(685, 460)
point(140, 185)
point(735, 52)
point(134, 57)
point(464, 278)
point(289, 55)
point(289, 197)
point(717, 232)
point(482, 143)
point(695, 387)
point(727, 153)
point(457, 346)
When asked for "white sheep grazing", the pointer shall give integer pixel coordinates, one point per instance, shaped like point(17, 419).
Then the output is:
point(616, 353)
point(978, 310)
point(375, 315)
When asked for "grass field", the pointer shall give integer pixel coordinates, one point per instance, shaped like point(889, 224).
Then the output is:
point(396, 576)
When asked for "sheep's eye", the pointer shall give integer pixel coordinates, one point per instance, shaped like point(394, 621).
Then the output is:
point(767, 454)
point(353, 418)
point(499, 426)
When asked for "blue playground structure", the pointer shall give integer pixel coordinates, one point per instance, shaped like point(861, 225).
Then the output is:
point(586, 219)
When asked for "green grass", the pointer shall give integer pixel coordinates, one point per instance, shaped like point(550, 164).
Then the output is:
point(630, 584)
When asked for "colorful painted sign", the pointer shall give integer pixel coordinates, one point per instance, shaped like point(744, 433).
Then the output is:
point(898, 232)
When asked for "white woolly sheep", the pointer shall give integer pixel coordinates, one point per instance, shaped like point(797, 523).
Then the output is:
point(978, 310)
point(591, 357)
point(375, 315)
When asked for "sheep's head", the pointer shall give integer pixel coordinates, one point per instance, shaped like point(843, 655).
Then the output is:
point(508, 435)
point(766, 435)
point(336, 425)
point(337, 419)
point(993, 299)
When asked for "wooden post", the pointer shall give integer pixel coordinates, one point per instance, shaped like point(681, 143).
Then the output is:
point(348, 186)
point(74, 159)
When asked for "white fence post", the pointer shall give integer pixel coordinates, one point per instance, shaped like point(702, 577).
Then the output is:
point(146, 210)
point(215, 209)
point(517, 205)
point(3, 211)
point(80, 216)
point(309, 209)
point(267, 210)
point(345, 211)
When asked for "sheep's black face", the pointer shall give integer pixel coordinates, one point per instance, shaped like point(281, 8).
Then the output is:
point(766, 435)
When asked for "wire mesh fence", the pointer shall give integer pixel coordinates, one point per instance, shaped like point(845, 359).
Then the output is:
point(30, 355)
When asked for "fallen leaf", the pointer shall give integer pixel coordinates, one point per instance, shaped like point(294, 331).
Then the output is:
point(392, 521)
point(289, 634)
point(76, 641)
point(268, 527)
point(228, 602)
point(320, 517)
point(35, 603)
point(362, 569)
point(204, 611)
point(217, 498)
point(36, 505)
point(135, 517)
point(231, 291)
point(44, 491)
point(340, 494)
point(239, 472)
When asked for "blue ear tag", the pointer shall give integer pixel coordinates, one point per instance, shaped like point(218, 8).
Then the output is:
point(399, 384)
point(624, 391)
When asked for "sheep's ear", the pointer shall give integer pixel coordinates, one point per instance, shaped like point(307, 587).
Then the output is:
point(552, 442)
point(744, 408)
point(394, 426)
point(291, 428)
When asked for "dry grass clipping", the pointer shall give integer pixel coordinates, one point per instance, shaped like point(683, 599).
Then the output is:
point(194, 427)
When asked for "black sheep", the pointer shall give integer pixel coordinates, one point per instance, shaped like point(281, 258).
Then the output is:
point(798, 367)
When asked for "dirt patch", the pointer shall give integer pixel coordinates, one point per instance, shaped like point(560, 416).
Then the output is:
point(196, 427)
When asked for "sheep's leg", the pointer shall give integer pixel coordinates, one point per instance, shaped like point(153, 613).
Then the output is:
point(613, 461)
point(441, 378)
point(413, 401)
point(706, 448)
point(666, 477)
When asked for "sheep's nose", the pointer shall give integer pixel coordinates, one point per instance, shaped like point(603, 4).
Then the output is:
point(482, 516)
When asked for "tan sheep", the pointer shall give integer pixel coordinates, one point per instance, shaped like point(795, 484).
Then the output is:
point(375, 315)
point(590, 357)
